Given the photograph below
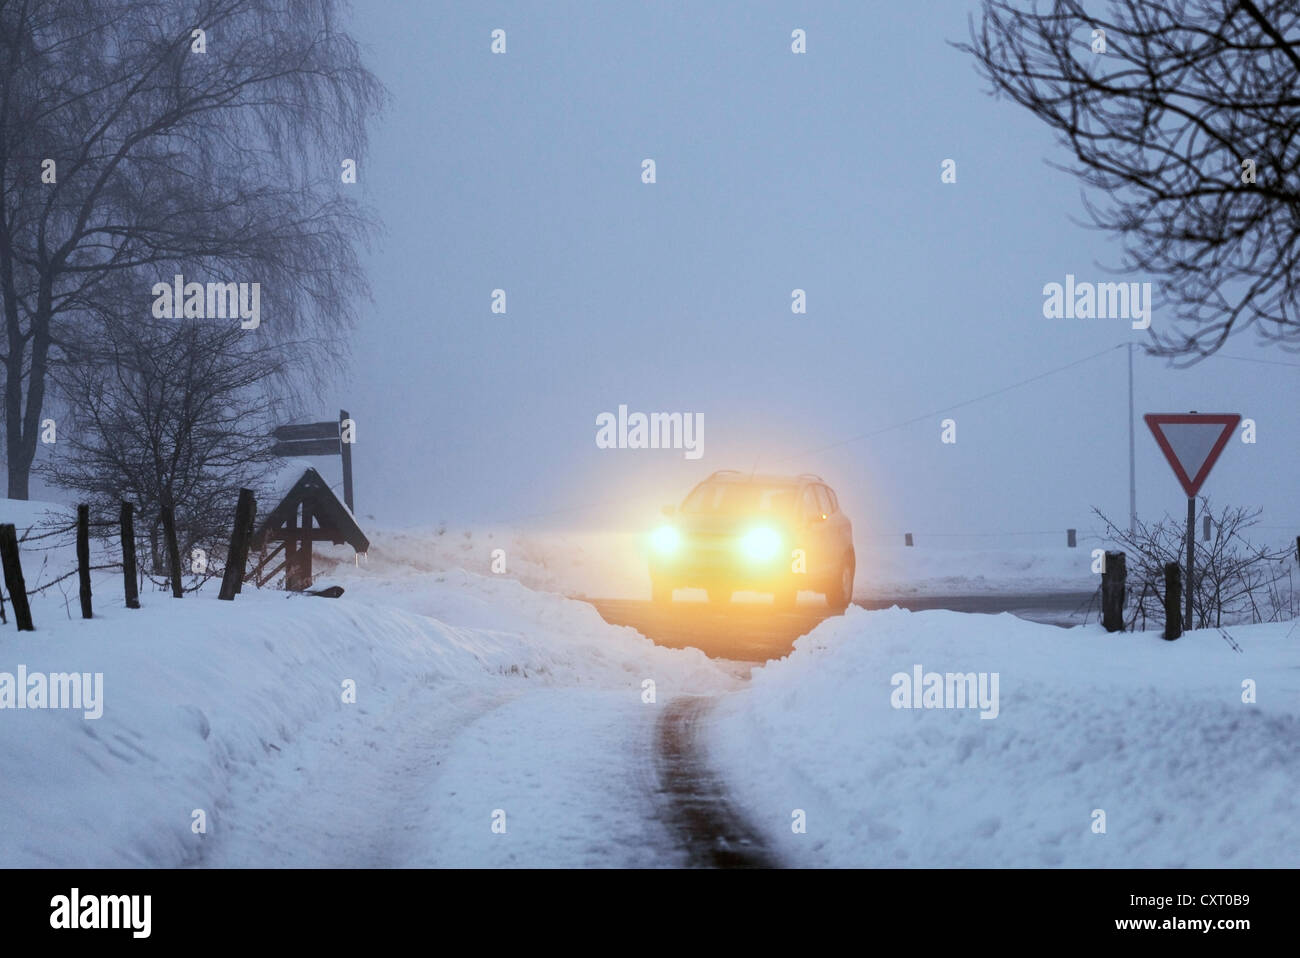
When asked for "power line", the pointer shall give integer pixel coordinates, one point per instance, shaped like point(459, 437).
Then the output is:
point(866, 435)
point(952, 406)
point(1248, 359)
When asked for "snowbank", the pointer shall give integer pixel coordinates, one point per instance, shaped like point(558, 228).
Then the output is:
point(1153, 733)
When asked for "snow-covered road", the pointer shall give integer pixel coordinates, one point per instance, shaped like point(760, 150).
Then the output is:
point(694, 798)
point(355, 792)
point(419, 787)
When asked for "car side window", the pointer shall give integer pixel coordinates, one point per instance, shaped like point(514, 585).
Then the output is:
point(824, 499)
point(809, 505)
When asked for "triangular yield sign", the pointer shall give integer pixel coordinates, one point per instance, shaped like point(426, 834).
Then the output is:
point(1192, 443)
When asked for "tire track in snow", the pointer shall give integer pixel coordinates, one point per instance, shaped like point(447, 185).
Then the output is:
point(711, 830)
point(568, 768)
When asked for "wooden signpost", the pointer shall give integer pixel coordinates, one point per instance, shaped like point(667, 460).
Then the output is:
point(319, 439)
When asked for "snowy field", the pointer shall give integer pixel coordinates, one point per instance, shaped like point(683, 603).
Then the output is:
point(478, 695)
point(613, 565)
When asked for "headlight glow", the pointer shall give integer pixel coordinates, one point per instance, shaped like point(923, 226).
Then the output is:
point(666, 540)
point(761, 544)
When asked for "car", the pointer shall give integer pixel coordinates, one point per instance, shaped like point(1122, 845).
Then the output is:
point(755, 533)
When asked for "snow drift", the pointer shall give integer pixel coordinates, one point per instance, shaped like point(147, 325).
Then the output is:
point(1153, 734)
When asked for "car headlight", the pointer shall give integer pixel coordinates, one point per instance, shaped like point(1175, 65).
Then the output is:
point(666, 540)
point(761, 544)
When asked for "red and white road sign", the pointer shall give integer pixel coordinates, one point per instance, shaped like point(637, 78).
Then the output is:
point(1192, 443)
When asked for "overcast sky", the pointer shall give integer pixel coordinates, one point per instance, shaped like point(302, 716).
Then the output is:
point(775, 171)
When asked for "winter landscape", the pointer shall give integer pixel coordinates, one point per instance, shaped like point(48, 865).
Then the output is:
point(601, 436)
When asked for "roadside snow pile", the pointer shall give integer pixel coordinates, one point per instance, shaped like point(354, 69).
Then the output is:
point(897, 571)
point(205, 703)
point(1152, 733)
point(579, 644)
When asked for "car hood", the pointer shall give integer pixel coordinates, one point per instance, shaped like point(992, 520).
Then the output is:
point(721, 524)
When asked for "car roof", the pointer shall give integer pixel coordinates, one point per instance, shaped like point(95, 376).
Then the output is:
point(765, 479)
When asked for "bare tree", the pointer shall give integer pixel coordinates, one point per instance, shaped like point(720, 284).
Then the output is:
point(1184, 114)
point(141, 139)
point(173, 415)
point(1233, 580)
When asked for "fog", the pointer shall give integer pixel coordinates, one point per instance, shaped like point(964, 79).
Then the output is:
point(774, 172)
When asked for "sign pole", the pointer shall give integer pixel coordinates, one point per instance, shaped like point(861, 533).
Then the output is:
point(1191, 543)
point(346, 449)
point(1132, 467)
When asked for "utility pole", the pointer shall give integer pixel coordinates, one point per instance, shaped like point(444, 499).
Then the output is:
point(1132, 467)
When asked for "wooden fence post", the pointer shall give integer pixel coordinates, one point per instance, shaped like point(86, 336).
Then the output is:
point(173, 550)
point(1113, 579)
point(126, 519)
point(1173, 600)
point(13, 571)
point(237, 556)
point(248, 541)
point(83, 560)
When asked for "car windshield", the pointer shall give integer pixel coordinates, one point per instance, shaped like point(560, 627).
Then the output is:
point(739, 497)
